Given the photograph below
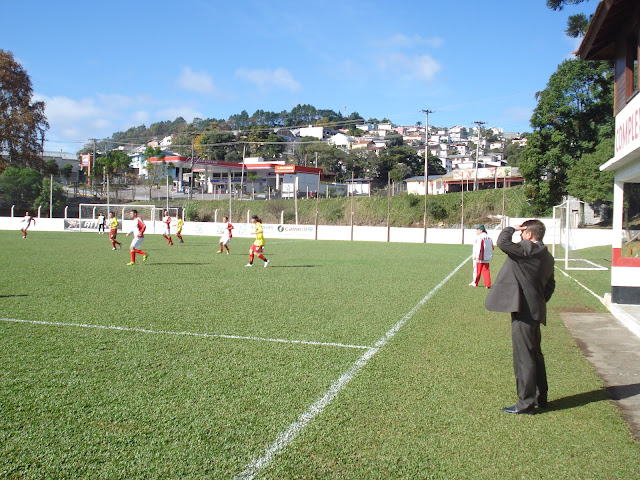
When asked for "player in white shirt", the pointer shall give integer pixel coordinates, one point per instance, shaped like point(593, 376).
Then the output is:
point(167, 227)
point(226, 236)
point(26, 223)
point(138, 229)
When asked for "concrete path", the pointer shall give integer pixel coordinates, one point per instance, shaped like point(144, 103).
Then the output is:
point(614, 352)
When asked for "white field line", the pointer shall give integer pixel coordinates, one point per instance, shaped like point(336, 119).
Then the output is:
point(190, 334)
point(583, 286)
point(256, 465)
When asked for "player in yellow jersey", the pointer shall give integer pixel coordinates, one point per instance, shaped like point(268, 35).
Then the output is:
point(179, 226)
point(258, 244)
point(113, 231)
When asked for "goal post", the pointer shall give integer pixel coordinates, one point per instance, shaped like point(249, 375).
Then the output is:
point(90, 211)
point(566, 220)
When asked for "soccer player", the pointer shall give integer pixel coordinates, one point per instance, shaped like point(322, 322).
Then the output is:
point(26, 223)
point(258, 244)
point(179, 226)
point(226, 237)
point(101, 223)
point(113, 231)
point(167, 226)
point(138, 228)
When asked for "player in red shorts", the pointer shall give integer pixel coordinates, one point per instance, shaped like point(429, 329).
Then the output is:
point(167, 227)
point(258, 244)
point(113, 232)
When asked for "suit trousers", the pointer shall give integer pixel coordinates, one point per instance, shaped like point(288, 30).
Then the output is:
point(528, 362)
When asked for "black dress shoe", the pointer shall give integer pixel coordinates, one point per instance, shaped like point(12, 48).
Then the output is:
point(542, 404)
point(527, 411)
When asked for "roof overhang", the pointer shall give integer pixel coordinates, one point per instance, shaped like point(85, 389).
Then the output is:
point(599, 43)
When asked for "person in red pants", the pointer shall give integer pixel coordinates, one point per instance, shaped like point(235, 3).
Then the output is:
point(482, 255)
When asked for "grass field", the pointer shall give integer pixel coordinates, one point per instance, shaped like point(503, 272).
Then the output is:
point(340, 361)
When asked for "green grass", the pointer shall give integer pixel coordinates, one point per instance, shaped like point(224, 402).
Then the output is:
point(598, 281)
point(82, 402)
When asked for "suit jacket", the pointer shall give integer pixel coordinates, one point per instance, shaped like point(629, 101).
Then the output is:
point(525, 282)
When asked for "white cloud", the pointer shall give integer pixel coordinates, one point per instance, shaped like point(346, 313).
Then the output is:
point(265, 79)
point(73, 121)
point(196, 82)
point(422, 67)
point(403, 41)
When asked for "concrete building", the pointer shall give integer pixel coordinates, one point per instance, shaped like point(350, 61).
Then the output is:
point(614, 35)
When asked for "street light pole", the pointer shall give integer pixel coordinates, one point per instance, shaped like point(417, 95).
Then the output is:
point(475, 181)
point(426, 169)
point(193, 141)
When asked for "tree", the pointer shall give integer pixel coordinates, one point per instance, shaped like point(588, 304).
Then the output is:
point(22, 122)
point(572, 116)
point(399, 172)
point(67, 171)
point(58, 196)
point(586, 181)
point(20, 186)
point(51, 168)
point(578, 24)
point(113, 164)
point(154, 169)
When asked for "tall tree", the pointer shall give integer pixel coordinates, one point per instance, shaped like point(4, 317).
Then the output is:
point(578, 24)
point(572, 116)
point(22, 121)
point(20, 186)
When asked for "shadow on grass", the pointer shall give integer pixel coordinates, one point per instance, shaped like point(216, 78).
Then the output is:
point(16, 295)
point(617, 392)
point(293, 266)
point(160, 264)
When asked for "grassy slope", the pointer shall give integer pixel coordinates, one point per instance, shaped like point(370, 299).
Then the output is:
point(105, 404)
point(406, 210)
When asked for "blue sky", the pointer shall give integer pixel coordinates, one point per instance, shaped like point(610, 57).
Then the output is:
point(103, 67)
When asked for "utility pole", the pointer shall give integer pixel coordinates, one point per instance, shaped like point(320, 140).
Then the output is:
point(93, 162)
point(193, 141)
point(475, 181)
point(426, 168)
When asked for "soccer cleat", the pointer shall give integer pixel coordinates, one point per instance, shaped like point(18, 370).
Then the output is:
point(130, 263)
point(113, 248)
point(227, 252)
point(144, 258)
point(219, 251)
point(266, 263)
point(472, 285)
point(119, 246)
point(249, 265)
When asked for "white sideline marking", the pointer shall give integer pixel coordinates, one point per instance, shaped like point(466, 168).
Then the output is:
point(190, 334)
point(583, 286)
point(254, 467)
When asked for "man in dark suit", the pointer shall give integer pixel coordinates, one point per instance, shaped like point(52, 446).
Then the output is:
point(523, 287)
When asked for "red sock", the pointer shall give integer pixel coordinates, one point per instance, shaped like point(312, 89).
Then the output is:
point(113, 243)
point(261, 257)
point(139, 251)
point(251, 258)
point(133, 257)
point(226, 248)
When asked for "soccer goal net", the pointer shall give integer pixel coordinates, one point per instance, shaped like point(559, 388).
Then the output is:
point(174, 213)
point(567, 217)
point(89, 213)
